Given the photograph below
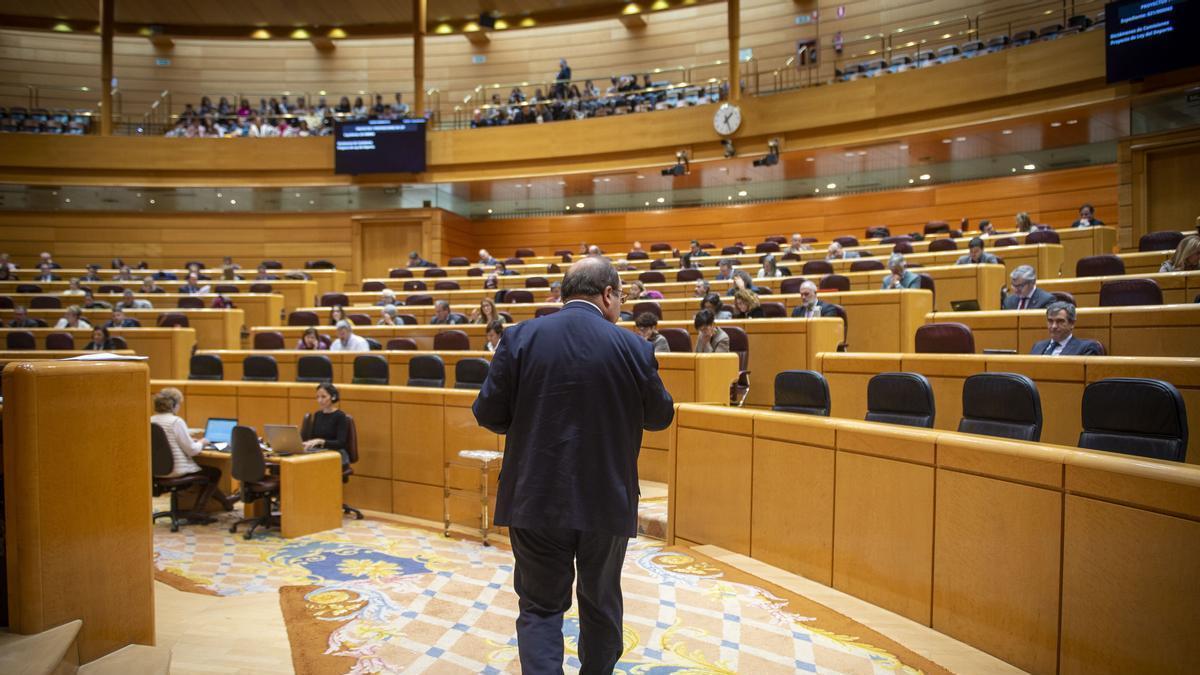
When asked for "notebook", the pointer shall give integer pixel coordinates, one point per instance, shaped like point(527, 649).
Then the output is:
point(218, 430)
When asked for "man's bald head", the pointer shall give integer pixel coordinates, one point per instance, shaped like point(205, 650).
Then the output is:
point(588, 278)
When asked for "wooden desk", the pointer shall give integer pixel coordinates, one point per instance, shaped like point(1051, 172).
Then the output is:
point(169, 349)
point(214, 328)
point(310, 489)
point(295, 292)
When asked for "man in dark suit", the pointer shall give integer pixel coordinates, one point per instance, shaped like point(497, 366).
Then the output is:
point(810, 307)
point(443, 315)
point(1025, 293)
point(415, 260)
point(47, 274)
point(572, 392)
point(1060, 322)
point(1087, 217)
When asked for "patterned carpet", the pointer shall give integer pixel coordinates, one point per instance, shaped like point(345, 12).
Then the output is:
point(381, 597)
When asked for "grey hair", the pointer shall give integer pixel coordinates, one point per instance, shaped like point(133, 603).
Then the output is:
point(589, 277)
point(703, 283)
point(726, 262)
point(1061, 306)
point(388, 291)
point(744, 276)
point(897, 260)
point(345, 324)
point(390, 310)
point(1025, 273)
point(442, 304)
point(809, 285)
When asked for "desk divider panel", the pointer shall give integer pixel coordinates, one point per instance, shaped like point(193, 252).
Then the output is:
point(77, 500)
point(987, 540)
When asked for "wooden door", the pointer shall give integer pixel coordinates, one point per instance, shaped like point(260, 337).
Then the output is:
point(381, 244)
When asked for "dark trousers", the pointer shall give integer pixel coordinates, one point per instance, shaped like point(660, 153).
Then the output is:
point(546, 560)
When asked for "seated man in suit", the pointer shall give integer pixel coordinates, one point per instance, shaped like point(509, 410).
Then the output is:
point(119, 320)
point(696, 251)
point(149, 286)
point(810, 307)
point(415, 260)
point(46, 273)
point(977, 255)
point(836, 252)
point(1060, 322)
point(724, 270)
point(264, 274)
point(130, 302)
point(1087, 217)
point(21, 318)
point(900, 277)
point(442, 315)
point(193, 287)
point(1025, 293)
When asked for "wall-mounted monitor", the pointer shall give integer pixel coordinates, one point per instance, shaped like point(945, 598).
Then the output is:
point(1147, 37)
point(379, 146)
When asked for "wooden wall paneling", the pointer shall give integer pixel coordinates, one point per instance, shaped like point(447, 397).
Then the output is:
point(714, 466)
point(946, 373)
point(371, 409)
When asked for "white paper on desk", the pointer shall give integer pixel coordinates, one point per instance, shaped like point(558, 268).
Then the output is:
point(106, 356)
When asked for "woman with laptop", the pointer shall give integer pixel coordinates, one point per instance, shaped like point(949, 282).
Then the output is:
point(329, 429)
point(183, 448)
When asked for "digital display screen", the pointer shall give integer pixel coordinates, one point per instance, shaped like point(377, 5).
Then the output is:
point(379, 146)
point(1146, 37)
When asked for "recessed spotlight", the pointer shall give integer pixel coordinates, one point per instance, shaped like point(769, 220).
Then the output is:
point(233, 202)
point(137, 195)
point(730, 198)
point(960, 139)
point(568, 207)
point(595, 180)
point(810, 159)
point(911, 181)
point(724, 169)
point(67, 200)
point(647, 203)
point(489, 210)
point(520, 185)
point(579, 205)
point(816, 189)
point(218, 195)
point(903, 146)
point(924, 176)
point(831, 186)
point(1030, 167)
point(529, 185)
point(947, 140)
point(849, 154)
point(311, 202)
point(862, 152)
point(1072, 121)
point(562, 182)
point(1056, 124)
point(640, 176)
point(297, 195)
point(152, 201)
point(1014, 169)
point(607, 180)
point(661, 200)
point(1006, 132)
point(742, 193)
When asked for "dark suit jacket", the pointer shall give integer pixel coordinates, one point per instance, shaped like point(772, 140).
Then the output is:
point(1094, 223)
point(823, 309)
point(572, 394)
point(1038, 300)
point(1075, 347)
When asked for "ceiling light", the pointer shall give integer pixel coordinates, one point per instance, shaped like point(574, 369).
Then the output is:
point(61, 27)
point(904, 146)
point(562, 182)
point(84, 89)
point(946, 36)
point(443, 29)
point(218, 195)
point(1007, 132)
point(471, 27)
point(849, 154)
point(595, 180)
point(924, 176)
point(1072, 121)
point(1056, 124)
point(579, 205)
point(336, 34)
point(742, 193)
point(640, 177)
point(67, 200)
point(1030, 167)
point(817, 190)
point(152, 201)
point(862, 153)
point(261, 34)
point(831, 186)
point(647, 203)
point(911, 181)
point(489, 210)
point(810, 159)
point(1014, 169)
point(501, 24)
point(631, 8)
point(528, 22)
point(659, 5)
point(960, 139)
point(607, 180)
point(299, 34)
point(947, 140)
point(730, 198)
point(529, 185)
point(233, 202)
point(661, 200)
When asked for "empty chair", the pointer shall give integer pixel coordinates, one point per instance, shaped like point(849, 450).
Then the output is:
point(801, 391)
point(1006, 405)
point(1126, 292)
point(879, 231)
point(173, 320)
point(739, 344)
point(688, 274)
point(1135, 416)
point(419, 299)
point(774, 310)
point(402, 345)
point(537, 282)
point(190, 302)
point(900, 398)
point(370, 369)
point(6, 302)
point(407, 319)
point(20, 340)
point(791, 285)
point(815, 267)
point(544, 311)
point(927, 283)
point(373, 344)
point(678, 339)
point(902, 246)
point(427, 370)
point(1006, 241)
point(1099, 266)
point(60, 341)
point(400, 273)
point(1064, 297)
point(659, 264)
point(518, 296)
point(225, 289)
point(359, 319)
point(451, 340)
point(1043, 237)
point(637, 255)
point(314, 368)
point(332, 299)
point(660, 246)
point(272, 264)
point(943, 245)
point(945, 338)
point(250, 469)
point(319, 265)
point(524, 253)
point(1049, 31)
point(206, 367)
point(514, 261)
point(266, 288)
point(45, 302)
point(260, 368)
point(445, 285)
point(303, 318)
point(458, 262)
point(897, 239)
point(767, 247)
point(555, 269)
point(777, 238)
point(470, 373)
point(431, 272)
point(866, 265)
point(1024, 37)
point(1160, 241)
point(733, 250)
point(652, 277)
point(110, 288)
point(414, 285)
point(834, 282)
point(29, 288)
point(119, 342)
point(647, 306)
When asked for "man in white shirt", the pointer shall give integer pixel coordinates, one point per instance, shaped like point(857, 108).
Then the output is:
point(347, 341)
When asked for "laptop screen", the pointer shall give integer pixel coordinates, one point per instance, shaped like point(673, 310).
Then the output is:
point(218, 430)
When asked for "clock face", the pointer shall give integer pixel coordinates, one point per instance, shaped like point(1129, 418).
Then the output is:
point(727, 119)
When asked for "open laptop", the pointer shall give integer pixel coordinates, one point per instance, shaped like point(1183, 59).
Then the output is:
point(964, 305)
point(218, 430)
point(284, 439)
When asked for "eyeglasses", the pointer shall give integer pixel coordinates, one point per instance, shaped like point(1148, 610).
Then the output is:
point(622, 296)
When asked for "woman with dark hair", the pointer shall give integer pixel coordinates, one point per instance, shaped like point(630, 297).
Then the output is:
point(328, 429)
point(311, 340)
point(101, 342)
point(337, 313)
